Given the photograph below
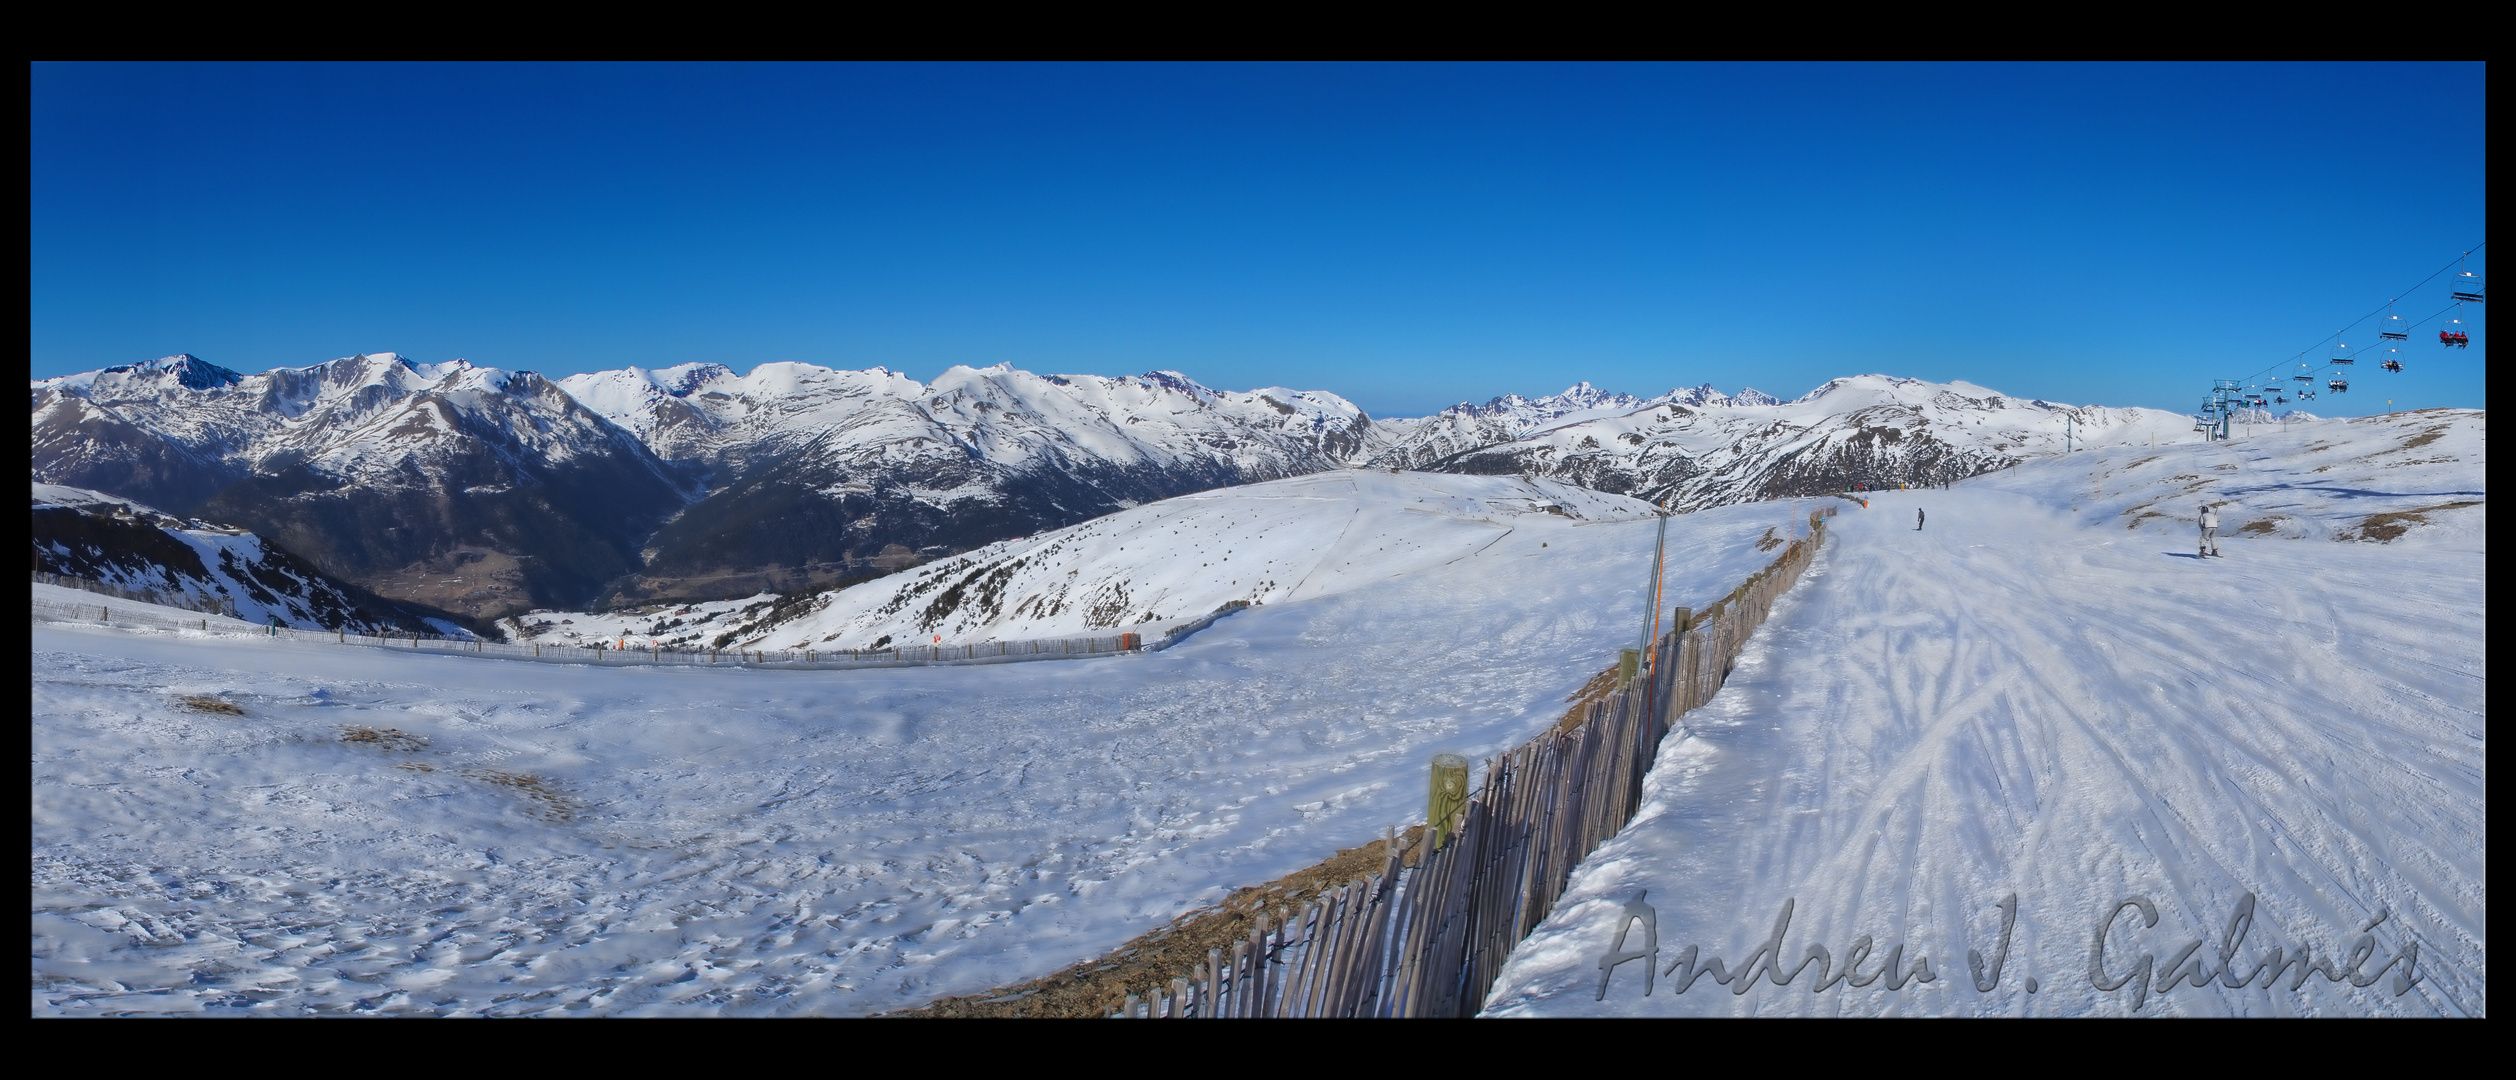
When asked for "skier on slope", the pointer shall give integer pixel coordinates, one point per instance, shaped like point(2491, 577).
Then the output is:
point(1917, 519)
point(2210, 531)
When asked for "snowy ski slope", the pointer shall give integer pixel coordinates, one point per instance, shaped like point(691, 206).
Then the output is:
point(1169, 562)
point(523, 839)
point(2042, 693)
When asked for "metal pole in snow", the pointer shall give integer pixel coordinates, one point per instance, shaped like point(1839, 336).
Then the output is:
point(1651, 614)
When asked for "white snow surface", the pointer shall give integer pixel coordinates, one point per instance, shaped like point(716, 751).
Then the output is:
point(1169, 562)
point(747, 842)
point(2041, 693)
point(686, 626)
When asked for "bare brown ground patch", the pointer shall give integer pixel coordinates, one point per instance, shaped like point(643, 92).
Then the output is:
point(208, 704)
point(2139, 463)
point(383, 738)
point(551, 804)
point(2385, 528)
point(2144, 516)
point(1146, 965)
point(1771, 540)
point(2260, 526)
point(1599, 686)
point(2424, 438)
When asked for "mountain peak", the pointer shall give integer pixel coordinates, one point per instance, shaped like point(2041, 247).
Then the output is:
point(189, 371)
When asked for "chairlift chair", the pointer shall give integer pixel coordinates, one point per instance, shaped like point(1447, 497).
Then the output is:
point(2452, 335)
point(2338, 386)
point(2344, 355)
point(2393, 360)
point(2395, 327)
point(2467, 287)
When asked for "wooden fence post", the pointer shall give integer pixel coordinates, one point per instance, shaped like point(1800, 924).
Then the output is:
point(1449, 792)
point(1206, 1006)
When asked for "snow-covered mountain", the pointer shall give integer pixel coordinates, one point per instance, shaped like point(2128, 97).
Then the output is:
point(467, 488)
point(1869, 429)
point(818, 474)
point(90, 534)
point(2268, 416)
point(489, 492)
point(1156, 566)
point(1423, 441)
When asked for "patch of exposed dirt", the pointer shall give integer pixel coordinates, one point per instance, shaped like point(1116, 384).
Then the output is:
point(2139, 463)
point(1146, 965)
point(2144, 516)
point(2224, 468)
point(552, 804)
point(384, 738)
point(1599, 686)
point(2424, 438)
point(2385, 528)
point(208, 704)
point(2261, 526)
point(1772, 539)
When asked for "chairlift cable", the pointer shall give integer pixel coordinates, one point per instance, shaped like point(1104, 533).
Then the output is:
point(2382, 309)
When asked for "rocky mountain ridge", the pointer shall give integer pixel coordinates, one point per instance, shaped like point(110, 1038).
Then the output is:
point(88, 534)
point(1866, 430)
point(490, 492)
point(467, 488)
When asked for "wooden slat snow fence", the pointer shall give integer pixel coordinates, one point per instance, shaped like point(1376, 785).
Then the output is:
point(981, 653)
point(1428, 940)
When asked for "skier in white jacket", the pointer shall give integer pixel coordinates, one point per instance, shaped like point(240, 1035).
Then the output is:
point(2210, 532)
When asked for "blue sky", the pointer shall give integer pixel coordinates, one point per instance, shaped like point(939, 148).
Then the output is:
point(1406, 236)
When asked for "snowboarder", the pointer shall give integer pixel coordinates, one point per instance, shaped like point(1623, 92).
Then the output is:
point(2210, 532)
point(1917, 519)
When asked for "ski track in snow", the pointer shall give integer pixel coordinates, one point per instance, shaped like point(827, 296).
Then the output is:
point(2014, 701)
point(744, 842)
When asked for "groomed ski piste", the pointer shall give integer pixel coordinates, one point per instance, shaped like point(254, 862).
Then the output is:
point(441, 834)
point(2042, 693)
